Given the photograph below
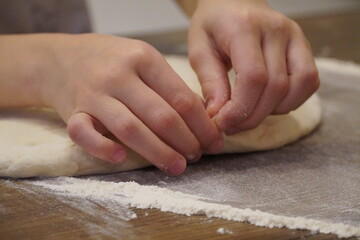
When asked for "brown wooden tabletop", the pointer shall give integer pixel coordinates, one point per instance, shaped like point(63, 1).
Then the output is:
point(24, 215)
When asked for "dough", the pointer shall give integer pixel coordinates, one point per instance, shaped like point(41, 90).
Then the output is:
point(35, 142)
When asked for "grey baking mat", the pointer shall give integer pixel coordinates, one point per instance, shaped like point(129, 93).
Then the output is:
point(317, 177)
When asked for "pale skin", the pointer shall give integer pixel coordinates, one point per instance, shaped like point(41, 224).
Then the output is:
point(101, 84)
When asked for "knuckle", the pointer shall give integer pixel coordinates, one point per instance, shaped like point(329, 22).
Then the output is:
point(281, 86)
point(74, 129)
point(184, 103)
point(257, 76)
point(310, 78)
point(248, 18)
point(165, 119)
point(141, 52)
point(126, 129)
point(279, 24)
point(108, 77)
point(296, 27)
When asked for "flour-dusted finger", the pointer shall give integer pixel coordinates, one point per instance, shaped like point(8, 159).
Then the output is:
point(133, 133)
point(251, 78)
point(82, 130)
point(274, 49)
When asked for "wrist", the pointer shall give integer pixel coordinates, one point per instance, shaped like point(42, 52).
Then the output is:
point(25, 70)
point(206, 3)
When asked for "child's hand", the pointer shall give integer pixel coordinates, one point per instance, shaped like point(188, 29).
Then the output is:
point(102, 83)
point(275, 70)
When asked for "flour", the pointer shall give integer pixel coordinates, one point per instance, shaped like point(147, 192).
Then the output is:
point(134, 195)
point(224, 231)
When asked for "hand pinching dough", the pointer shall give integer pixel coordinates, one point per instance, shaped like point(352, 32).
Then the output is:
point(35, 142)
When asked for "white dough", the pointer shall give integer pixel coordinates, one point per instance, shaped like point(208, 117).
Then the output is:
point(35, 143)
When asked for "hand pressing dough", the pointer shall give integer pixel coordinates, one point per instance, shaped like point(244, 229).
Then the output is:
point(35, 142)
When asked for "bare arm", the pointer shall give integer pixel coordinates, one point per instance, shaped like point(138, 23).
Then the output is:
point(188, 6)
point(102, 83)
point(20, 71)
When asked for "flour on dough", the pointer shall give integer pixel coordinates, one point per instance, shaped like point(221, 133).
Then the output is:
point(35, 143)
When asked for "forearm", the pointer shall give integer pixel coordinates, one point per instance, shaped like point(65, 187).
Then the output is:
point(22, 68)
point(189, 6)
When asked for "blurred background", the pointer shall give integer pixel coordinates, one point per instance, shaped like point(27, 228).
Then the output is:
point(332, 26)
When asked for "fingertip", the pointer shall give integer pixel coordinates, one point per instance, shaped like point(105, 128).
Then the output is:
point(212, 108)
point(219, 122)
point(194, 159)
point(216, 99)
point(177, 167)
point(222, 120)
point(119, 155)
point(216, 147)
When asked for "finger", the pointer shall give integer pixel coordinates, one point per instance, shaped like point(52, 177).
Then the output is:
point(304, 79)
point(274, 52)
point(251, 78)
point(133, 133)
point(160, 117)
point(211, 71)
point(82, 130)
point(164, 81)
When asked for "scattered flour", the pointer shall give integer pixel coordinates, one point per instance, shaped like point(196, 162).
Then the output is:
point(144, 197)
point(224, 231)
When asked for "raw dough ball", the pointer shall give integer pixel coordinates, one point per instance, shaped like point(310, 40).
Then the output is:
point(35, 143)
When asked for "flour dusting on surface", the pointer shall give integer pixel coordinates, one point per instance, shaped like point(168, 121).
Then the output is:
point(139, 196)
point(224, 231)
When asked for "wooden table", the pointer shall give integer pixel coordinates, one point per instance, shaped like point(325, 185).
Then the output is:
point(27, 216)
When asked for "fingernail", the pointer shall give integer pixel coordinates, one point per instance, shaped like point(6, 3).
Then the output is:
point(216, 146)
point(210, 108)
point(194, 158)
point(118, 156)
point(177, 168)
